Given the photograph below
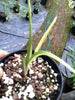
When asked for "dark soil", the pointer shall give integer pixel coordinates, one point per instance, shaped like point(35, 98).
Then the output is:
point(35, 11)
point(41, 77)
point(2, 17)
point(16, 8)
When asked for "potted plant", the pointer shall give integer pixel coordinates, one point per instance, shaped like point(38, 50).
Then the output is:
point(26, 1)
point(72, 30)
point(31, 75)
point(15, 5)
point(16, 8)
point(36, 8)
point(69, 84)
point(4, 14)
point(73, 18)
point(73, 22)
point(43, 2)
point(25, 13)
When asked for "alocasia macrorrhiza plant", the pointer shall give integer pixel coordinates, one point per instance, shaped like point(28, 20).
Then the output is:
point(28, 76)
point(37, 53)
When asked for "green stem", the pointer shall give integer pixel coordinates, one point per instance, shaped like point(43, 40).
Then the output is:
point(29, 52)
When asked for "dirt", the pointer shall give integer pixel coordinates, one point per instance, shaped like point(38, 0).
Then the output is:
point(41, 77)
point(59, 33)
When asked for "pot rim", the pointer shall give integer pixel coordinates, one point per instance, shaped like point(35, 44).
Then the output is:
point(22, 50)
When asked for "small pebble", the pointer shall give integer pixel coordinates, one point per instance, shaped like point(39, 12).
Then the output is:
point(52, 71)
point(31, 71)
point(40, 75)
point(52, 80)
point(40, 60)
point(15, 96)
point(43, 87)
point(47, 90)
point(55, 74)
point(51, 76)
point(43, 96)
point(1, 64)
point(55, 87)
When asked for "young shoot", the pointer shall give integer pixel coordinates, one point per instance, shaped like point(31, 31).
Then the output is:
point(37, 53)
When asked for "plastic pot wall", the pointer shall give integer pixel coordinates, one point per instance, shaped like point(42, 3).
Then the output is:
point(50, 61)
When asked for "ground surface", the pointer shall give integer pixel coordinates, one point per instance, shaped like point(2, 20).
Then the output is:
point(14, 34)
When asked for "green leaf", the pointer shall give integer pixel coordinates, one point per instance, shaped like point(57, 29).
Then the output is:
point(36, 54)
point(17, 9)
point(21, 6)
point(74, 22)
point(74, 80)
point(7, 5)
point(23, 15)
point(7, 18)
point(12, 6)
point(23, 65)
point(3, 3)
point(70, 55)
point(10, 2)
point(73, 75)
point(29, 52)
point(73, 63)
point(0, 8)
point(74, 84)
point(71, 48)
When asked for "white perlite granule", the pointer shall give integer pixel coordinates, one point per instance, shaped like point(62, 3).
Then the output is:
point(31, 71)
point(7, 80)
point(1, 64)
point(28, 92)
point(5, 98)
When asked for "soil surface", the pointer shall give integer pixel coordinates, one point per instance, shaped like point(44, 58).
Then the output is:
point(41, 82)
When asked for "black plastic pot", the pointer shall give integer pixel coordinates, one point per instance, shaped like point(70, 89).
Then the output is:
point(27, 15)
point(2, 17)
point(16, 8)
point(73, 18)
point(43, 2)
point(35, 11)
point(68, 85)
point(57, 70)
point(72, 30)
point(54, 67)
point(74, 8)
point(26, 1)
